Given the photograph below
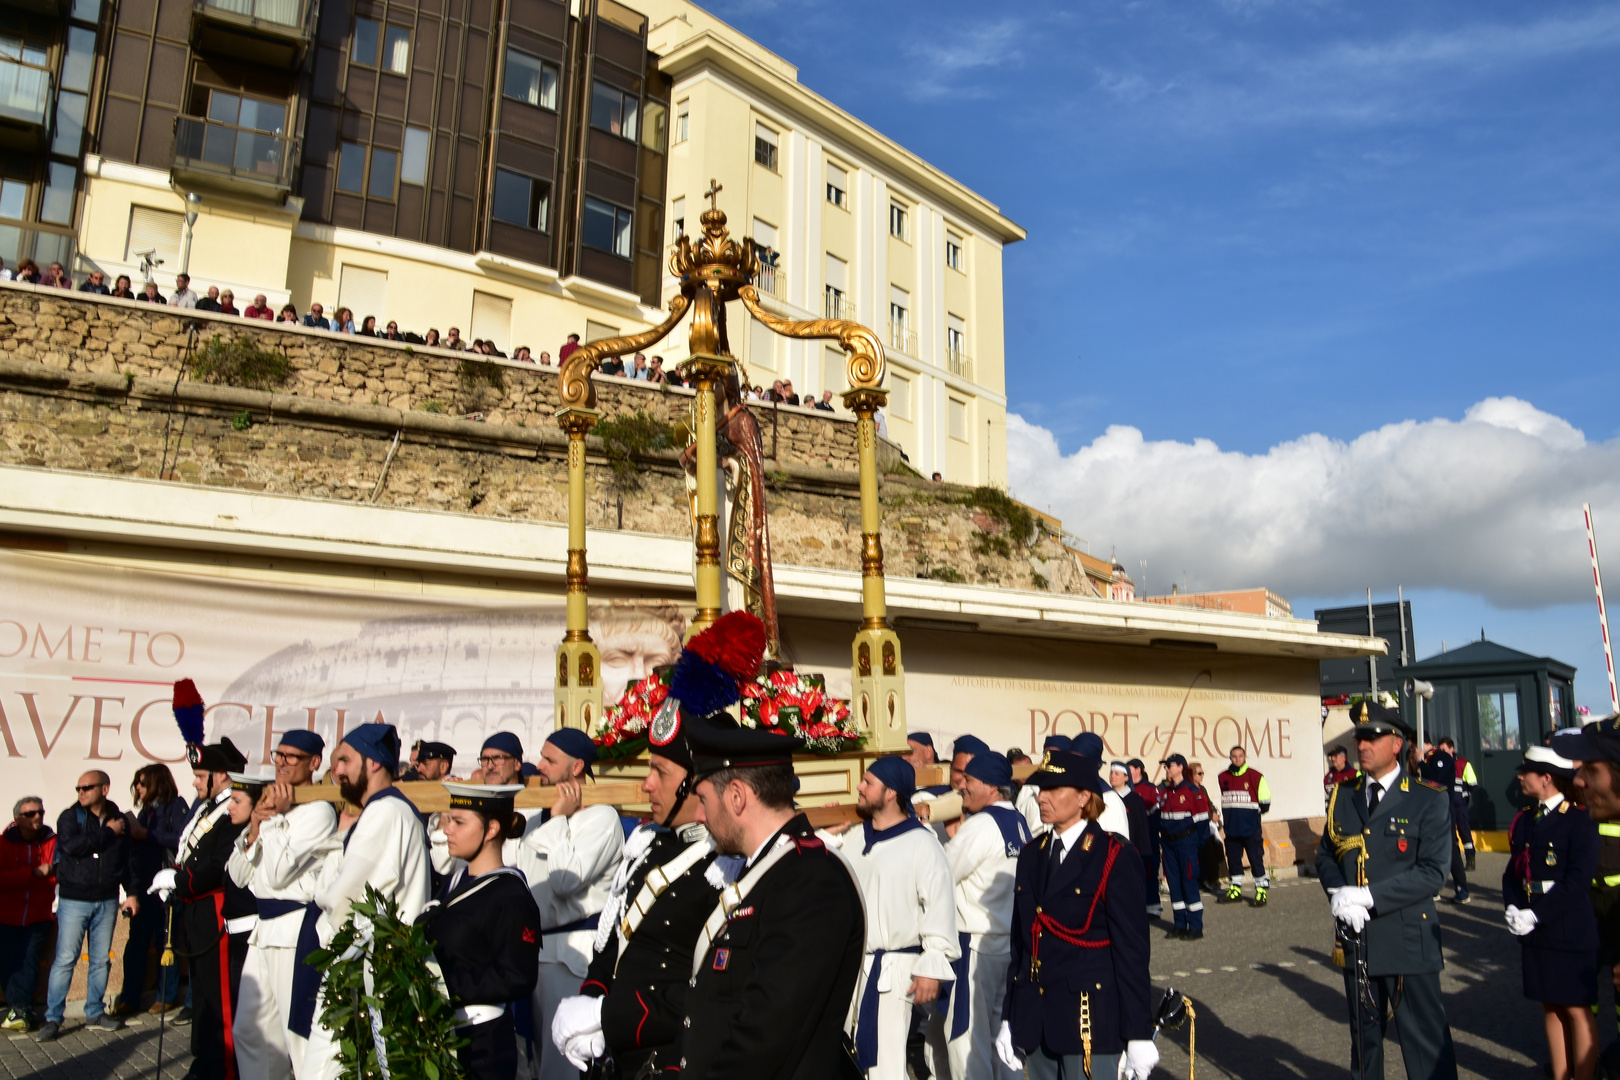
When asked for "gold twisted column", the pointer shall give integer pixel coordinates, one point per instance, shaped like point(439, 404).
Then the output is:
point(878, 681)
point(707, 371)
point(579, 663)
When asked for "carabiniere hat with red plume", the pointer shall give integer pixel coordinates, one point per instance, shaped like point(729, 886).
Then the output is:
point(708, 676)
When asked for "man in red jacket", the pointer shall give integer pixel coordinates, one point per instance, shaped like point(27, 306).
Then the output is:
point(27, 887)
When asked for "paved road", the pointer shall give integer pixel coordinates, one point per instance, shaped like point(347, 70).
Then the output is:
point(1270, 1004)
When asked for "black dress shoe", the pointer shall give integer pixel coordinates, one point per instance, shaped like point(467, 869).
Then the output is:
point(1193, 935)
point(1175, 933)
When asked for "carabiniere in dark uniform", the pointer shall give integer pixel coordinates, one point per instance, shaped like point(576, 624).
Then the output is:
point(667, 901)
point(1398, 851)
point(771, 988)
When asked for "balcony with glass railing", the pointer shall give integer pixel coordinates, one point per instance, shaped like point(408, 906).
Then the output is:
point(902, 338)
point(273, 32)
point(959, 363)
point(242, 160)
point(25, 100)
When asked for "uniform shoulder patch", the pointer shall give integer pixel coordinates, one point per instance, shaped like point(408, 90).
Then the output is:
point(1431, 785)
point(808, 843)
point(1563, 807)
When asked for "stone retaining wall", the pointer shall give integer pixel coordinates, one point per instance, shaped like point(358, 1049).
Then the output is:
point(90, 385)
point(75, 331)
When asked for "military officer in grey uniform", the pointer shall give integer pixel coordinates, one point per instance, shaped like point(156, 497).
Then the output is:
point(1383, 857)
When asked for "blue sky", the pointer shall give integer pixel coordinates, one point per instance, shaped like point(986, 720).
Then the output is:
point(1393, 227)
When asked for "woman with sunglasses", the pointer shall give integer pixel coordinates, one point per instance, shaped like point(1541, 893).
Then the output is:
point(154, 831)
point(27, 890)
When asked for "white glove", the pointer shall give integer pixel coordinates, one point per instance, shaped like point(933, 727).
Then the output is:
point(583, 1049)
point(1140, 1058)
point(162, 885)
point(1352, 905)
point(1521, 921)
point(575, 1016)
point(1006, 1051)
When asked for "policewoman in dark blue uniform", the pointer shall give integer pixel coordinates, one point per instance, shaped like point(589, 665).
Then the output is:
point(1382, 860)
point(1546, 888)
point(1077, 987)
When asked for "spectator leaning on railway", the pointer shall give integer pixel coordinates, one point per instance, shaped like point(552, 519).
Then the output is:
point(27, 889)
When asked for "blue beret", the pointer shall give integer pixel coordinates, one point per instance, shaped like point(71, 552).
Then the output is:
point(1088, 744)
point(969, 744)
point(897, 774)
point(921, 737)
point(307, 742)
point(504, 742)
point(1055, 742)
point(379, 742)
point(575, 743)
point(992, 769)
point(529, 769)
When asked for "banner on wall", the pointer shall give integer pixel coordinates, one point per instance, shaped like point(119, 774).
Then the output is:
point(1201, 720)
point(89, 653)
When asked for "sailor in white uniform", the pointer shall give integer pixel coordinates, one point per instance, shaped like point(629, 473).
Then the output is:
point(911, 939)
point(385, 849)
point(279, 856)
point(983, 857)
point(569, 854)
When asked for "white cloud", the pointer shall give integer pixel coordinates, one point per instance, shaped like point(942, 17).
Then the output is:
point(1488, 505)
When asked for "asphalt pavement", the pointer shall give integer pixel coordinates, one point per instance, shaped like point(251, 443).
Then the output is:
point(1271, 1006)
point(1269, 1003)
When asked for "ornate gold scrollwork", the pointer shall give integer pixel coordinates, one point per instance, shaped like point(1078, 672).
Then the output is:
point(871, 555)
point(575, 379)
point(864, 664)
point(576, 570)
point(587, 670)
point(708, 540)
point(562, 670)
point(865, 366)
point(888, 661)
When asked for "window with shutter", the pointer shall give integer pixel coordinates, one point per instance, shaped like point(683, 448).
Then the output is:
point(492, 319)
point(899, 396)
point(364, 292)
point(595, 331)
point(157, 231)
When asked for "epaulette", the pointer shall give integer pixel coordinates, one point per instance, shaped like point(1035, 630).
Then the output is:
point(1563, 807)
point(808, 843)
point(1430, 784)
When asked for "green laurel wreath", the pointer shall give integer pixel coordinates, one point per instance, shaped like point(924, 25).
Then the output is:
point(418, 1028)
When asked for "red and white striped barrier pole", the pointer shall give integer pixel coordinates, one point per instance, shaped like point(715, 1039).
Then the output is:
point(1603, 612)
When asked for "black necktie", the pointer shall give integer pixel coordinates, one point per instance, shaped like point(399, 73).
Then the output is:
point(1375, 791)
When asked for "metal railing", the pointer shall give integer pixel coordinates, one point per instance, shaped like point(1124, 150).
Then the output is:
point(838, 306)
point(25, 93)
point(959, 363)
point(902, 338)
point(234, 153)
point(279, 14)
point(772, 280)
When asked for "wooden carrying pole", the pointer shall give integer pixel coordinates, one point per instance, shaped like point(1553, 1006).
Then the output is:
point(430, 796)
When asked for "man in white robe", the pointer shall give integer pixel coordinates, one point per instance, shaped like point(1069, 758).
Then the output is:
point(385, 849)
point(569, 854)
point(983, 857)
point(911, 938)
point(278, 856)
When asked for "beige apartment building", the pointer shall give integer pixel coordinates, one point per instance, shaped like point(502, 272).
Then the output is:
point(516, 169)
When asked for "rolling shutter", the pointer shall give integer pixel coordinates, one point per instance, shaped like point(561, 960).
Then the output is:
point(364, 292)
point(492, 319)
point(158, 231)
